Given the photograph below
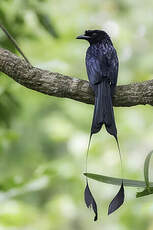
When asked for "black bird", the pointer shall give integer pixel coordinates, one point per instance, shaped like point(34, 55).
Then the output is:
point(102, 69)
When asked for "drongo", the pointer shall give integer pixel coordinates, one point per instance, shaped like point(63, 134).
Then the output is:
point(102, 69)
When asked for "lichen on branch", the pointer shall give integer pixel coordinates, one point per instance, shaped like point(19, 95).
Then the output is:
point(58, 85)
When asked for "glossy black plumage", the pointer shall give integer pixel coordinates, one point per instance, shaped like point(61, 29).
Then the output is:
point(117, 201)
point(102, 69)
point(90, 201)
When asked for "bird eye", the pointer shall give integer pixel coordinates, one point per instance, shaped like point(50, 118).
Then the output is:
point(94, 34)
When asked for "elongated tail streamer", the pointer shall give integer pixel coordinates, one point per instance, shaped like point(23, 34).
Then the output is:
point(119, 198)
point(88, 197)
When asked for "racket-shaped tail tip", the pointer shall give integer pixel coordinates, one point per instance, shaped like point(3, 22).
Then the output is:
point(90, 201)
point(117, 201)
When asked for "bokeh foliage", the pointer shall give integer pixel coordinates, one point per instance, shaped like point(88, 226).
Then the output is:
point(43, 139)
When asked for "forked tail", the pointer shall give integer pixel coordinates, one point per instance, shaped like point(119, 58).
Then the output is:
point(104, 114)
point(103, 111)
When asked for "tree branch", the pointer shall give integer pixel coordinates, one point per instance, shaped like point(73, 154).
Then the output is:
point(55, 84)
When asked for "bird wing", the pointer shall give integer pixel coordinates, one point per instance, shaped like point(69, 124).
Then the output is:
point(102, 66)
point(113, 67)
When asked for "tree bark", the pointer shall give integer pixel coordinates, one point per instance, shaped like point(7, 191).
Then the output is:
point(58, 85)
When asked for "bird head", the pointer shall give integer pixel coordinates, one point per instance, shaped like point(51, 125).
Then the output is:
point(94, 36)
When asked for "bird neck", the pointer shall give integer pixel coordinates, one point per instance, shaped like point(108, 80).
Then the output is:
point(105, 41)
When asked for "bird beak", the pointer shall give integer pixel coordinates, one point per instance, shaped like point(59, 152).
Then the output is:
point(83, 37)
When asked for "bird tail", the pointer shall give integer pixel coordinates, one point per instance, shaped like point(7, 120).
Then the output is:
point(103, 111)
point(104, 114)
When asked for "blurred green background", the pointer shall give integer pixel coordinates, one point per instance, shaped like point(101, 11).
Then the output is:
point(43, 140)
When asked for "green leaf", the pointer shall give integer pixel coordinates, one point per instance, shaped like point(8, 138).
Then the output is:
point(145, 192)
point(46, 22)
point(148, 190)
point(146, 168)
point(117, 181)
